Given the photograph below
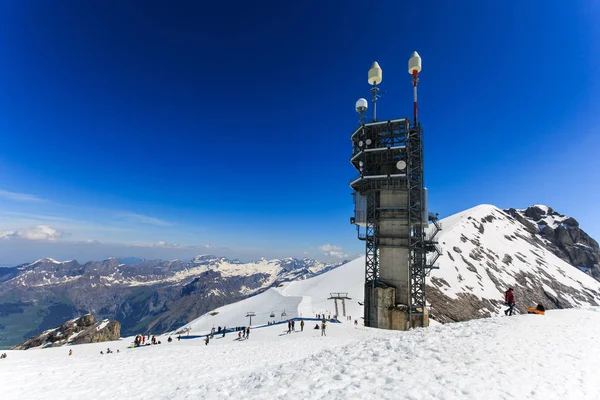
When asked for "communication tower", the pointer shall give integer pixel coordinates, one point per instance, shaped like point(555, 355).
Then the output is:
point(391, 213)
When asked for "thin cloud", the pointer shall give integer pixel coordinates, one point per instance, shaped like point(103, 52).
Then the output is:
point(168, 245)
point(40, 232)
point(145, 219)
point(20, 197)
point(329, 247)
point(331, 250)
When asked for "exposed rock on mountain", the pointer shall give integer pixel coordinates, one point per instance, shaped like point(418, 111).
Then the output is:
point(563, 235)
point(487, 250)
point(76, 331)
point(153, 295)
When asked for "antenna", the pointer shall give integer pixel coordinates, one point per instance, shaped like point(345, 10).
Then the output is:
point(374, 79)
point(414, 67)
point(361, 107)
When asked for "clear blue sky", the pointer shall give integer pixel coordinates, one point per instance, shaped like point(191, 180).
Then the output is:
point(224, 128)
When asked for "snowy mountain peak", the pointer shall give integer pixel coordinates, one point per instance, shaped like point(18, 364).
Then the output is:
point(486, 250)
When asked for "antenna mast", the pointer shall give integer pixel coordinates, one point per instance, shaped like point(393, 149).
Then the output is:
point(414, 67)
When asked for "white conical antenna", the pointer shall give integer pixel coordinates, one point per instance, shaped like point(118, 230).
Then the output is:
point(374, 78)
point(414, 63)
point(375, 74)
point(361, 107)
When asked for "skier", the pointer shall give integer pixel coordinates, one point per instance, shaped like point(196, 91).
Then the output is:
point(248, 333)
point(179, 338)
point(224, 330)
point(509, 300)
point(169, 339)
point(71, 352)
point(302, 326)
point(294, 325)
point(289, 326)
point(323, 329)
point(239, 335)
point(206, 340)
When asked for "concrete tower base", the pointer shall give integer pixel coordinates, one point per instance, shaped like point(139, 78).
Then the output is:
point(388, 316)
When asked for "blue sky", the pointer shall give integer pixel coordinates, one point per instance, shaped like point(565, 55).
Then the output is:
point(159, 130)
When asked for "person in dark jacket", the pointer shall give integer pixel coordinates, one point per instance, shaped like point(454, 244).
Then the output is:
point(509, 300)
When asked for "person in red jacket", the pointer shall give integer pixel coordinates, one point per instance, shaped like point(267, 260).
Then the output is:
point(509, 300)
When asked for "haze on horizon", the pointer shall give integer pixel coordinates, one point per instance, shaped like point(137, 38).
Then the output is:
point(154, 131)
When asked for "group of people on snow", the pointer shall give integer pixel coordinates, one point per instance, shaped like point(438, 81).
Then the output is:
point(140, 340)
point(108, 351)
point(3, 355)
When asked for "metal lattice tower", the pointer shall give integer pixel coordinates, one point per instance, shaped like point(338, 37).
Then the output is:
point(391, 216)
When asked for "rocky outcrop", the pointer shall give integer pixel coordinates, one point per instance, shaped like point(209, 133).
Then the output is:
point(563, 237)
point(76, 331)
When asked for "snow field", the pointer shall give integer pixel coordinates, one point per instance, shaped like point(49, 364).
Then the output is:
point(522, 357)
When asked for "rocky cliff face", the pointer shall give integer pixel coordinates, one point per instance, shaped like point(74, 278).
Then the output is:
point(562, 235)
point(76, 331)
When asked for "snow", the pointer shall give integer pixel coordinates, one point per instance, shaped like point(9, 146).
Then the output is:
point(304, 298)
point(524, 357)
point(102, 324)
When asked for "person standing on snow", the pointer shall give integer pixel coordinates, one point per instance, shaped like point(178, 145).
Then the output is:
point(248, 333)
point(289, 326)
point(302, 326)
point(323, 329)
point(509, 300)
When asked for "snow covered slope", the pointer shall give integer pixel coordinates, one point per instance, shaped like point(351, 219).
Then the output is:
point(522, 357)
point(486, 251)
point(297, 299)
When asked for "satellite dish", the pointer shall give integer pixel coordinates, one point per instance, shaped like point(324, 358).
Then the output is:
point(401, 165)
point(369, 141)
point(375, 74)
point(361, 163)
point(414, 64)
point(360, 143)
point(361, 105)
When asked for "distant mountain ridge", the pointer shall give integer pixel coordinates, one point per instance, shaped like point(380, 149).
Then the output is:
point(145, 295)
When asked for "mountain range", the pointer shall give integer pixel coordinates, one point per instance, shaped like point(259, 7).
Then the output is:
point(544, 255)
point(147, 295)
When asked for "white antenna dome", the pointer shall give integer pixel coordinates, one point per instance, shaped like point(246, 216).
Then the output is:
point(414, 64)
point(375, 74)
point(361, 105)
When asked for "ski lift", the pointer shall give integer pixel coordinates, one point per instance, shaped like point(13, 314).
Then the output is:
point(283, 314)
point(272, 314)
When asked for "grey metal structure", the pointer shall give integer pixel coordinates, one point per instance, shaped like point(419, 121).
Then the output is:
point(392, 218)
point(339, 296)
